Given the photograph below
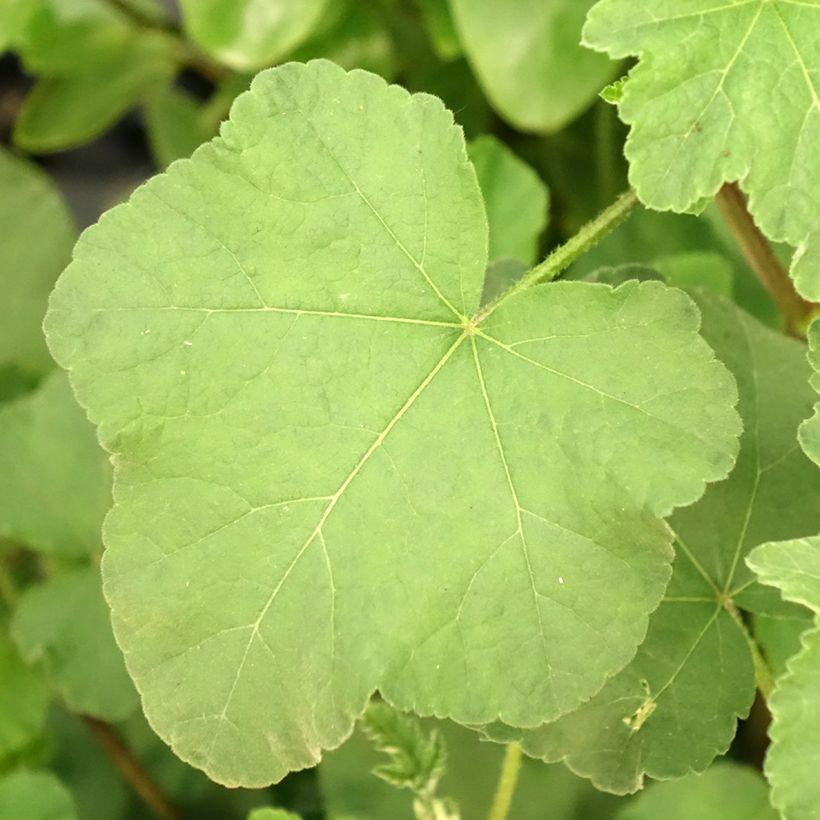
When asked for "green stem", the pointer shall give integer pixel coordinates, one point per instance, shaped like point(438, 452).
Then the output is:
point(761, 258)
point(506, 783)
point(564, 255)
point(764, 677)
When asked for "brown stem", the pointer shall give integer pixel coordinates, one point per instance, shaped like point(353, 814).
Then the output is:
point(131, 769)
point(760, 256)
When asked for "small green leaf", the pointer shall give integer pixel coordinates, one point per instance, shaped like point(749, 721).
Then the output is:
point(23, 702)
point(272, 814)
point(724, 91)
point(727, 791)
point(287, 375)
point(516, 199)
point(64, 625)
point(793, 757)
point(417, 759)
point(613, 92)
point(34, 795)
point(250, 34)
point(528, 58)
point(810, 429)
point(779, 638)
point(657, 717)
point(37, 239)
point(55, 499)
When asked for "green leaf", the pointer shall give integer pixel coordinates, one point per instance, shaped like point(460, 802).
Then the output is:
point(23, 702)
point(69, 105)
point(697, 269)
point(417, 760)
point(516, 199)
point(810, 429)
point(36, 795)
point(724, 91)
point(794, 568)
point(249, 34)
point(675, 706)
point(31, 209)
point(779, 638)
point(441, 28)
point(64, 625)
point(527, 58)
point(298, 398)
point(501, 274)
point(727, 791)
point(55, 499)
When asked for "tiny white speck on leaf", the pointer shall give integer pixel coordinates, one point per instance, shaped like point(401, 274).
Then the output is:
point(560, 579)
point(187, 343)
point(146, 331)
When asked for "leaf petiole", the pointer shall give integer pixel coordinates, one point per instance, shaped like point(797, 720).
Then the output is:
point(506, 783)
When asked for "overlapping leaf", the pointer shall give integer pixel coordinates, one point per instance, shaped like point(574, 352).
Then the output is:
point(725, 90)
point(675, 706)
point(35, 795)
point(527, 57)
point(332, 473)
point(793, 757)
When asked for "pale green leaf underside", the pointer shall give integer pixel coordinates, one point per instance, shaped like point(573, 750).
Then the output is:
point(55, 496)
point(527, 57)
point(727, 791)
point(810, 430)
point(659, 716)
point(64, 625)
point(34, 795)
point(724, 90)
point(328, 477)
point(793, 758)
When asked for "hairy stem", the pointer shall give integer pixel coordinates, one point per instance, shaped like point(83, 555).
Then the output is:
point(564, 255)
point(131, 769)
point(761, 258)
point(506, 783)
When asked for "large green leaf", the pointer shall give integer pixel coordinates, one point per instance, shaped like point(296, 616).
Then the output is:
point(793, 757)
point(332, 473)
point(528, 58)
point(64, 625)
point(34, 795)
point(23, 702)
point(37, 239)
point(249, 34)
point(727, 791)
point(515, 198)
point(675, 706)
point(724, 90)
point(810, 430)
point(55, 497)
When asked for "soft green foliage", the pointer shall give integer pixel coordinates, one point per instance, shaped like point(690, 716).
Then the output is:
point(442, 30)
point(249, 34)
point(39, 794)
point(472, 770)
point(76, 649)
point(272, 814)
point(724, 90)
point(30, 209)
point(810, 430)
point(516, 200)
point(55, 499)
point(294, 379)
point(23, 701)
point(657, 717)
point(779, 637)
point(69, 104)
point(527, 58)
point(697, 269)
point(793, 758)
point(727, 791)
